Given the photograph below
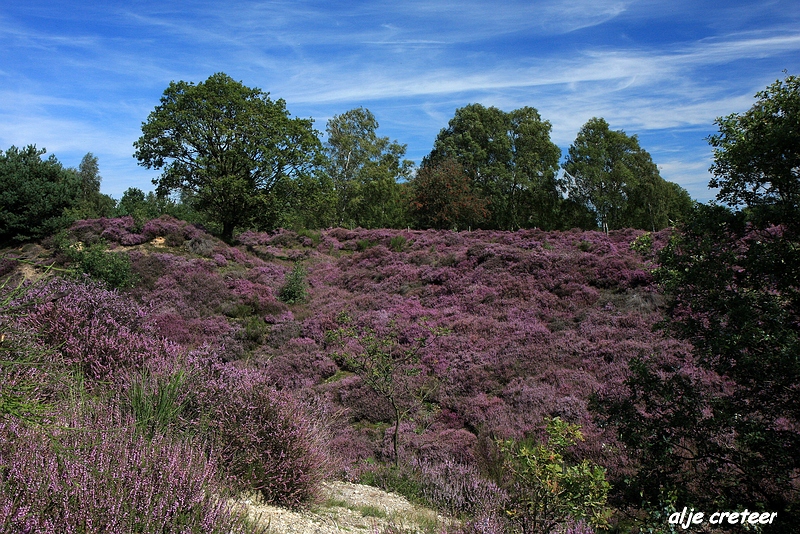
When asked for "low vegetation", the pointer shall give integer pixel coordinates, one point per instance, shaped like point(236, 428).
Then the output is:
point(529, 381)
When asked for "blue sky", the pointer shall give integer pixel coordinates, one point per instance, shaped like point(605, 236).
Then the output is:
point(80, 76)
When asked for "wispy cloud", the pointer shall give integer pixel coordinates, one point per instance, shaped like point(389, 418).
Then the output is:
point(80, 77)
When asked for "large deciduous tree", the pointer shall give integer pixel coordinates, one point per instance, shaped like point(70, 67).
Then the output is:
point(511, 162)
point(720, 427)
point(92, 203)
point(36, 195)
point(234, 148)
point(441, 197)
point(616, 178)
point(364, 170)
point(757, 154)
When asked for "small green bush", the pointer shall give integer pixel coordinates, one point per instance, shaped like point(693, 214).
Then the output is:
point(643, 244)
point(114, 268)
point(294, 289)
point(364, 244)
point(157, 402)
point(313, 235)
point(397, 243)
point(546, 488)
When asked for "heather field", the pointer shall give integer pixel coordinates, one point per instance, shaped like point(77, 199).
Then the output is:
point(156, 371)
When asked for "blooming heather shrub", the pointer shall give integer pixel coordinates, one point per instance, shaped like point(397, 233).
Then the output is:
point(422, 439)
point(192, 288)
point(28, 374)
point(92, 472)
point(362, 402)
point(299, 363)
point(459, 490)
point(120, 230)
point(482, 524)
point(7, 266)
point(256, 294)
point(220, 260)
point(100, 331)
point(267, 441)
point(146, 269)
point(173, 230)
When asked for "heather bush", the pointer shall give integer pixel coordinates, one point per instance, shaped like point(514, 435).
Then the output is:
point(99, 331)
point(92, 472)
point(174, 231)
point(459, 490)
point(267, 441)
point(298, 363)
point(483, 524)
point(27, 371)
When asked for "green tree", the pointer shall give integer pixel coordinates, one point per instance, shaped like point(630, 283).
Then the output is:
point(89, 172)
point(146, 206)
point(134, 203)
point(441, 197)
point(615, 178)
point(757, 155)
point(364, 170)
point(237, 151)
point(602, 165)
point(511, 162)
point(721, 426)
point(36, 195)
point(92, 203)
point(390, 367)
point(546, 489)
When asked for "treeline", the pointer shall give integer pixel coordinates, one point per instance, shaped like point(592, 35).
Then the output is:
point(234, 159)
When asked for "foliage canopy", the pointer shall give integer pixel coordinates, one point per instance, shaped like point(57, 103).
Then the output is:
point(617, 180)
point(720, 427)
point(364, 170)
point(234, 148)
point(757, 155)
point(35, 194)
point(511, 162)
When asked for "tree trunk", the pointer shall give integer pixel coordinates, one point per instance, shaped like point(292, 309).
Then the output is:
point(396, 433)
point(227, 231)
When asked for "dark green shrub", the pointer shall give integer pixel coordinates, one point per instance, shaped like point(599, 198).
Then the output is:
point(397, 243)
point(36, 194)
point(114, 268)
point(364, 244)
point(294, 289)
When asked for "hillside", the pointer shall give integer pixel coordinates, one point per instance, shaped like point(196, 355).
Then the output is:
point(507, 329)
